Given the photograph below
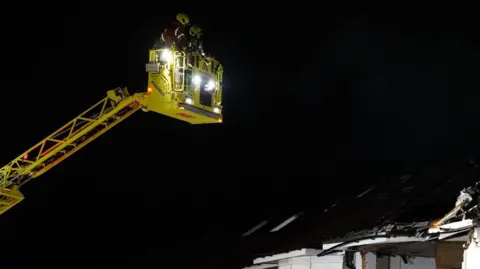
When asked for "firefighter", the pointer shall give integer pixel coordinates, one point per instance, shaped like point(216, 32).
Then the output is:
point(195, 41)
point(175, 34)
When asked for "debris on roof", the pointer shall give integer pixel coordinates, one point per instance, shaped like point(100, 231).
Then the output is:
point(286, 222)
point(465, 214)
point(404, 205)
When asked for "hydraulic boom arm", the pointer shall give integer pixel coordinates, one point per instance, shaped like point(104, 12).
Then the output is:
point(96, 120)
point(184, 86)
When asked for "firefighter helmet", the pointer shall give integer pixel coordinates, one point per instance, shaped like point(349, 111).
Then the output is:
point(183, 18)
point(195, 31)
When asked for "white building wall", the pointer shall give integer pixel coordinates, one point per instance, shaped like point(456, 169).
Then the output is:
point(328, 262)
point(312, 262)
point(471, 256)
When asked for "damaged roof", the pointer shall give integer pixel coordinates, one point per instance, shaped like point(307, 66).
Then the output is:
point(404, 204)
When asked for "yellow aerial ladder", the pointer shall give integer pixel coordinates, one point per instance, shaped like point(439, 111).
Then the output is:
point(182, 85)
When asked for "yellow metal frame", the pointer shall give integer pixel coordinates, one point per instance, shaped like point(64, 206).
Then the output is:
point(87, 126)
point(168, 96)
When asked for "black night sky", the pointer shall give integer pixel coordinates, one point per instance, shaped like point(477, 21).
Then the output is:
point(319, 106)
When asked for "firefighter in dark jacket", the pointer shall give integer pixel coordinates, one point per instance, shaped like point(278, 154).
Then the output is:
point(195, 34)
point(175, 34)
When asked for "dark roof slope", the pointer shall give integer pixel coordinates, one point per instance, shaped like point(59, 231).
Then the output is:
point(423, 196)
